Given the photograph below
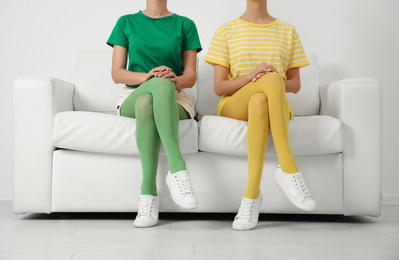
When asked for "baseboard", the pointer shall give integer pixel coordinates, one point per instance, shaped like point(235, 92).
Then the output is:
point(5, 196)
point(390, 199)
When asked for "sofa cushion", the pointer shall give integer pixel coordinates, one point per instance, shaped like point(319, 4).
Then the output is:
point(105, 133)
point(309, 135)
point(306, 102)
point(94, 88)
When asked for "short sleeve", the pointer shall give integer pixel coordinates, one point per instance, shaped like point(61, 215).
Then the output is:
point(297, 54)
point(218, 52)
point(191, 39)
point(118, 36)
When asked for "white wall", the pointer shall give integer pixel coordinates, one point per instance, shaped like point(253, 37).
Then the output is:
point(357, 38)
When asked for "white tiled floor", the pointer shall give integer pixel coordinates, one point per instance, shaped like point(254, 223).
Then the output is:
point(200, 236)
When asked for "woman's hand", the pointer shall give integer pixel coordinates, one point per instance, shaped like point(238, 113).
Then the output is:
point(159, 72)
point(187, 80)
point(168, 73)
point(224, 86)
point(162, 71)
point(262, 69)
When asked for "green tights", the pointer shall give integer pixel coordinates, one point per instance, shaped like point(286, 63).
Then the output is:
point(157, 114)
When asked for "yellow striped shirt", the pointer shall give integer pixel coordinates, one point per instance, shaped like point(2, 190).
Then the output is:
point(241, 46)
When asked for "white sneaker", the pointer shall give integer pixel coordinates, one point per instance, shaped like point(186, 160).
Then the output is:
point(295, 188)
point(182, 193)
point(248, 214)
point(147, 215)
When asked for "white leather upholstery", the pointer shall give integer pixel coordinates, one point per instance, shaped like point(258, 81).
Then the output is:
point(98, 167)
point(110, 183)
point(95, 89)
point(36, 101)
point(104, 133)
point(307, 101)
point(309, 135)
point(358, 104)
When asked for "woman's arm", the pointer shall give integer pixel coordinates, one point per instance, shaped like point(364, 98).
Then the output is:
point(293, 81)
point(187, 80)
point(119, 72)
point(224, 86)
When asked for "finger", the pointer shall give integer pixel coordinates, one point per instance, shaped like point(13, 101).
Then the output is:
point(160, 68)
point(255, 79)
point(164, 68)
point(161, 74)
point(258, 76)
point(170, 75)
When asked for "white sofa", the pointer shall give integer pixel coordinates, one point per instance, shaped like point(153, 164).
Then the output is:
point(73, 154)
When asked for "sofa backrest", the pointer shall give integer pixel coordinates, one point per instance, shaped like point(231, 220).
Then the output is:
point(305, 102)
point(94, 88)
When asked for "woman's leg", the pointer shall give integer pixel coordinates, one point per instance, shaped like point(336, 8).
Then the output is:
point(166, 116)
point(255, 111)
point(258, 122)
point(279, 117)
point(141, 105)
point(147, 138)
point(269, 109)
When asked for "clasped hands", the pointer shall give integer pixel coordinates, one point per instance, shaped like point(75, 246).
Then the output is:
point(162, 71)
point(262, 69)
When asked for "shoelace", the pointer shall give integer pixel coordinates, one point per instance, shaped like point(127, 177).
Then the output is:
point(145, 209)
point(301, 186)
point(245, 211)
point(184, 182)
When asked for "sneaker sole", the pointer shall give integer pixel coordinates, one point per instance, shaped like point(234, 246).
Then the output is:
point(300, 206)
point(243, 227)
point(144, 225)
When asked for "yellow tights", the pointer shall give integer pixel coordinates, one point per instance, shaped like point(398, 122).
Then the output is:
point(264, 105)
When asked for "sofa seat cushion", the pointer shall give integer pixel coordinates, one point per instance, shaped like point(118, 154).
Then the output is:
point(106, 133)
point(309, 135)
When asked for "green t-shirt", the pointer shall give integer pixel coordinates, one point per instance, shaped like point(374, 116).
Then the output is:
point(152, 42)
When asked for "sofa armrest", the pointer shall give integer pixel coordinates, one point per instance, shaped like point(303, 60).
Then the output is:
point(358, 104)
point(36, 101)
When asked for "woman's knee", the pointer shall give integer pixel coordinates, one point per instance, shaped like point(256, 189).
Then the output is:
point(273, 82)
point(273, 76)
point(144, 105)
point(258, 104)
point(165, 87)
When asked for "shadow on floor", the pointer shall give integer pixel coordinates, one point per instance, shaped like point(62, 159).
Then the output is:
point(207, 216)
